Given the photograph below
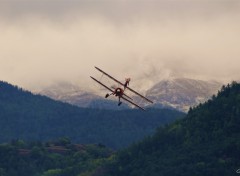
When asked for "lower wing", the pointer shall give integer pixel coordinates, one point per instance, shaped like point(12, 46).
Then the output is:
point(133, 103)
point(102, 84)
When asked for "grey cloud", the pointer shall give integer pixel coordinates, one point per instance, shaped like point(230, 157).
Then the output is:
point(119, 10)
point(48, 41)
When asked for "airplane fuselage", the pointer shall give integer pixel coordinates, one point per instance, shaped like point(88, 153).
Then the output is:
point(118, 92)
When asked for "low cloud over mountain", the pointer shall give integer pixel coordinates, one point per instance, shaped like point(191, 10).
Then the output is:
point(47, 41)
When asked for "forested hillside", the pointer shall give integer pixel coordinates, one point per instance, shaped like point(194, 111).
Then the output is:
point(55, 158)
point(38, 118)
point(206, 142)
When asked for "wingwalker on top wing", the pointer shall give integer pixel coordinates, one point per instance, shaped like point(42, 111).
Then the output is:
point(119, 91)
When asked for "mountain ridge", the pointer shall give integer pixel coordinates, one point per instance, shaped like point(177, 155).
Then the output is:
point(183, 93)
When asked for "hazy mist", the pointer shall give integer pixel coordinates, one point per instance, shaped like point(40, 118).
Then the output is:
point(42, 42)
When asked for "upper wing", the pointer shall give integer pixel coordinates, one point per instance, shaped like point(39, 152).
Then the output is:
point(150, 101)
point(123, 85)
point(101, 84)
point(133, 103)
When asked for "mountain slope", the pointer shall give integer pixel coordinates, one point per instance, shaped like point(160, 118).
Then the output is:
point(206, 142)
point(178, 93)
point(182, 93)
point(34, 117)
point(75, 95)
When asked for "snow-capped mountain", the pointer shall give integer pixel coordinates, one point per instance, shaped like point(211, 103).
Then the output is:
point(182, 93)
point(69, 93)
point(76, 95)
point(178, 93)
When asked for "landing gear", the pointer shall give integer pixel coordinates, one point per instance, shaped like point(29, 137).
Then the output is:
point(119, 101)
point(107, 95)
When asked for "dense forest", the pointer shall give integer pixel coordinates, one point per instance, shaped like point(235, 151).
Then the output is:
point(38, 118)
point(53, 158)
point(206, 142)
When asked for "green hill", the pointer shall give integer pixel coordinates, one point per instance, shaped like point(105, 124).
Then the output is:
point(206, 142)
point(39, 118)
point(55, 158)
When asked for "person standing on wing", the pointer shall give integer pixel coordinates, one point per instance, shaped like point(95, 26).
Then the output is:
point(127, 80)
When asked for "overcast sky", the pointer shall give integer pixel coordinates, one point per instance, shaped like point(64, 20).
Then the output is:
point(44, 41)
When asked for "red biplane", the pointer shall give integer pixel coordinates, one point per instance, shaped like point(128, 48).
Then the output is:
point(119, 91)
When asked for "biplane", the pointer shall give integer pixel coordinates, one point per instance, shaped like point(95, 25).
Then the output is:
point(120, 91)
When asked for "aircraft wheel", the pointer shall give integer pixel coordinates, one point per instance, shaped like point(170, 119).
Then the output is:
point(107, 95)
